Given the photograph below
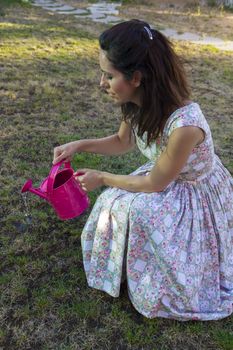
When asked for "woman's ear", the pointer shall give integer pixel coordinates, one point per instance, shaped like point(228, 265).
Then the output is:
point(136, 79)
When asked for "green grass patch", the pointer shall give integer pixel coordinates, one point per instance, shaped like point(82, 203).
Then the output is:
point(14, 2)
point(80, 308)
point(224, 338)
point(228, 75)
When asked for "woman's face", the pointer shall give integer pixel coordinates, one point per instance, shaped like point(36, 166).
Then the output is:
point(114, 83)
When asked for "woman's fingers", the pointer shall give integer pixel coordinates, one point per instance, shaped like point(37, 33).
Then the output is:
point(89, 179)
point(63, 152)
point(60, 158)
point(58, 155)
point(80, 179)
point(80, 172)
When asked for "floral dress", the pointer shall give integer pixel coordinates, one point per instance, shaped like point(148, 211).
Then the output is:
point(176, 246)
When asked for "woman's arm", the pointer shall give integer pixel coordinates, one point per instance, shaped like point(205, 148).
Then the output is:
point(116, 144)
point(180, 145)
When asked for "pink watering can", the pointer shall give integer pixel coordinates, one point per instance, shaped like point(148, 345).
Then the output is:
point(62, 191)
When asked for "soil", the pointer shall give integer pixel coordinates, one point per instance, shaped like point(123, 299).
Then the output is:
point(49, 91)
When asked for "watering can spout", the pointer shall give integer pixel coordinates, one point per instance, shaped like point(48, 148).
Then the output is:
point(28, 187)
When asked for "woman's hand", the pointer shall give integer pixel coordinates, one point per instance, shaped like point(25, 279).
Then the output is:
point(89, 179)
point(64, 152)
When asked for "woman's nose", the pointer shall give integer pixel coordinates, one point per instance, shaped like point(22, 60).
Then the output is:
point(103, 82)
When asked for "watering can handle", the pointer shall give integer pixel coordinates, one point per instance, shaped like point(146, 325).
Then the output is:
point(52, 175)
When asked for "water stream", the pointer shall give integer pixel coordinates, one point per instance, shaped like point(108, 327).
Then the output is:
point(27, 212)
point(107, 12)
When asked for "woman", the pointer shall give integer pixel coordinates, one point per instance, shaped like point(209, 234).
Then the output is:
point(167, 227)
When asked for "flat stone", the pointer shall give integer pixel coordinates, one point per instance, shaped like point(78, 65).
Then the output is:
point(75, 12)
point(108, 19)
point(43, 2)
point(53, 5)
point(199, 39)
point(106, 12)
point(97, 15)
point(41, 5)
point(60, 8)
point(105, 5)
point(49, 8)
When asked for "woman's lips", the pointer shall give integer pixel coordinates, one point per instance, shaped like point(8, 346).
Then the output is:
point(112, 95)
point(109, 93)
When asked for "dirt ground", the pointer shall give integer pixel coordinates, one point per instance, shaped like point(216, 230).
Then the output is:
point(49, 92)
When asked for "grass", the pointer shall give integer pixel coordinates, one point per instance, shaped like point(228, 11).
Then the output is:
point(49, 95)
point(183, 16)
point(8, 3)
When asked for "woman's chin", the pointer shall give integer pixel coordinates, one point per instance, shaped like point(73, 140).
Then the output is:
point(115, 99)
point(117, 102)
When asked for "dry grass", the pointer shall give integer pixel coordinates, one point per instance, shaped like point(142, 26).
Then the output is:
point(49, 95)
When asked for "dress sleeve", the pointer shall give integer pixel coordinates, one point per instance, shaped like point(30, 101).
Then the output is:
point(190, 115)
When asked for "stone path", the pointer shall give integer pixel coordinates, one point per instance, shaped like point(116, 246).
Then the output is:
point(199, 39)
point(107, 12)
point(103, 12)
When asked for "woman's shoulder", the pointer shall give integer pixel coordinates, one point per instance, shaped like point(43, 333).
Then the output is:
point(191, 109)
point(187, 115)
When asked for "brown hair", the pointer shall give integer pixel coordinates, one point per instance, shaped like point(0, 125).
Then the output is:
point(164, 88)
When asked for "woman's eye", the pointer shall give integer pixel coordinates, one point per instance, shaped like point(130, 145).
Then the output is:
point(107, 76)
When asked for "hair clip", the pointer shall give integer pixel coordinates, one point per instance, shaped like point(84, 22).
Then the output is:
point(149, 33)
